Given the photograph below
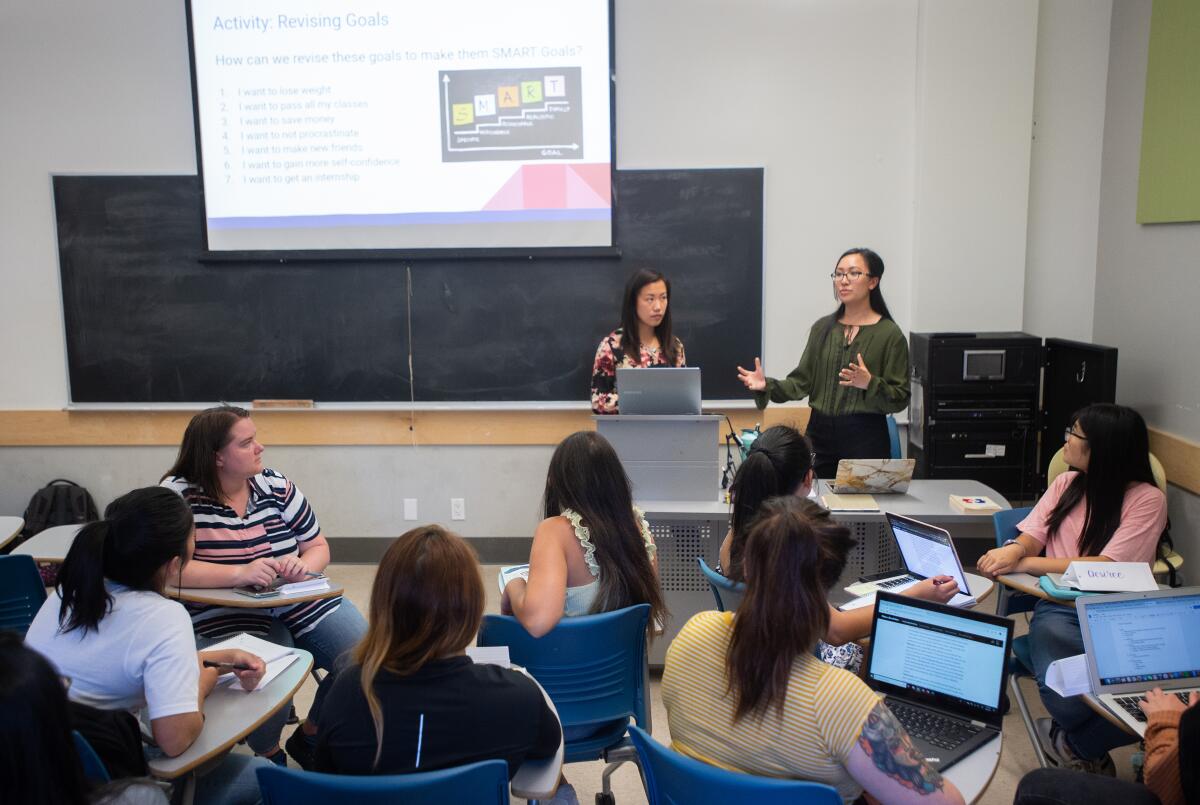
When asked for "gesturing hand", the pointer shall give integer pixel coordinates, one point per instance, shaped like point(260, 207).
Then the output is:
point(755, 380)
point(855, 374)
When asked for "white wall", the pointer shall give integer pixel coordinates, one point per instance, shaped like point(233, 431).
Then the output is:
point(1064, 176)
point(903, 125)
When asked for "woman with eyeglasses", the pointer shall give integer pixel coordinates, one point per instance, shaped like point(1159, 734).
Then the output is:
point(1106, 509)
point(854, 369)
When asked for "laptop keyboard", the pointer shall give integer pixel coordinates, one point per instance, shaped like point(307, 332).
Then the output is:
point(1130, 704)
point(941, 731)
point(890, 583)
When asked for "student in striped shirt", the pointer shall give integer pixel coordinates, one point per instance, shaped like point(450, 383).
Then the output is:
point(744, 691)
point(253, 525)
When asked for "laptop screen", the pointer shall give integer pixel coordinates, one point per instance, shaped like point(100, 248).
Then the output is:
point(1145, 640)
point(927, 551)
point(938, 655)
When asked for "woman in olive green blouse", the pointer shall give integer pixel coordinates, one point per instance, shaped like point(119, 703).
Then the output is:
point(854, 369)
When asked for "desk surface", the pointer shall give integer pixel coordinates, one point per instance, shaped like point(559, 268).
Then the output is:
point(50, 545)
point(973, 773)
point(9, 528)
point(231, 714)
point(227, 597)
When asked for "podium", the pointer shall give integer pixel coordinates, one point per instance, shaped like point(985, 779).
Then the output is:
point(670, 457)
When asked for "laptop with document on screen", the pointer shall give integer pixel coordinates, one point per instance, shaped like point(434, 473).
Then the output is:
point(925, 551)
point(942, 672)
point(659, 390)
point(1138, 641)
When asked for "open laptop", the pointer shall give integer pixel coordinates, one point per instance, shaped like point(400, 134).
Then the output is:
point(873, 476)
point(659, 390)
point(926, 551)
point(1138, 641)
point(942, 672)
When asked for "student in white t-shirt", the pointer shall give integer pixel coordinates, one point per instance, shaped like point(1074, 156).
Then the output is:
point(123, 645)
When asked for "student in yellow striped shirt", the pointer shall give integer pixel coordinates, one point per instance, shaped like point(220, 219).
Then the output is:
point(744, 691)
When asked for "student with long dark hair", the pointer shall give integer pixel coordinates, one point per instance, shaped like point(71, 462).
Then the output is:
point(854, 369)
point(123, 645)
point(1106, 509)
point(780, 463)
point(643, 339)
point(593, 552)
point(412, 700)
point(252, 526)
point(743, 690)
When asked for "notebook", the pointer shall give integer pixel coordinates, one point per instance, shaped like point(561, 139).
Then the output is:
point(925, 551)
point(873, 476)
point(1138, 641)
point(659, 390)
point(942, 672)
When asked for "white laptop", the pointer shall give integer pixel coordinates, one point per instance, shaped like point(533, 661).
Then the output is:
point(873, 476)
point(659, 390)
point(1138, 641)
point(926, 551)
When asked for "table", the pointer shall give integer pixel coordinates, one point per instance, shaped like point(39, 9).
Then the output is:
point(685, 529)
point(538, 779)
point(973, 773)
point(50, 545)
point(231, 714)
point(226, 597)
point(10, 527)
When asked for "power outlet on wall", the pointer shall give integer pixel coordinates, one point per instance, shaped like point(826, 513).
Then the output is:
point(458, 508)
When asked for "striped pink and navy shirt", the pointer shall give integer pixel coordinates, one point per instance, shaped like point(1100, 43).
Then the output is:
point(277, 520)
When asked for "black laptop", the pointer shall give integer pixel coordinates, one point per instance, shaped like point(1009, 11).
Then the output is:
point(942, 671)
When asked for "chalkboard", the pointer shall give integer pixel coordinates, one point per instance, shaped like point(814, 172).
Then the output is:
point(148, 321)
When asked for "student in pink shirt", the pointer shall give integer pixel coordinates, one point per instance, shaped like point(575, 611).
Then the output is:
point(1107, 510)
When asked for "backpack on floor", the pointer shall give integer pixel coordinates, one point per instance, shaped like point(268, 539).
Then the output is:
point(60, 502)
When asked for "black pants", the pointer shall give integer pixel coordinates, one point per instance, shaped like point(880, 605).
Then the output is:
point(1066, 787)
point(847, 436)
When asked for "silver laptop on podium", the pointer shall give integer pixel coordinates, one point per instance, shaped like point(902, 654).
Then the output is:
point(1138, 641)
point(659, 390)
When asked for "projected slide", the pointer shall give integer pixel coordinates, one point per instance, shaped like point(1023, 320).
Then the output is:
point(403, 125)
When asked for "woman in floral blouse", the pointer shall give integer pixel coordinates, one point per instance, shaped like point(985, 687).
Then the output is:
point(643, 339)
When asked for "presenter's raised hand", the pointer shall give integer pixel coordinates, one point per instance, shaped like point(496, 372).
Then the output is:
point(855, 374)
point(755, 380)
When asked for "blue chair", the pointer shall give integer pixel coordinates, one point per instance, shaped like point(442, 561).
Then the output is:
point(594, 669)
point(1004, 523)
point(893, 437)
point(482, 782)
point(93, 767)
point(21, 592)
point(672, 778)
point(728, 594)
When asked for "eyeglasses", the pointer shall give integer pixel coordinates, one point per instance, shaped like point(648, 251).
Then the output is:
point(1068, 433)
point(853, 276)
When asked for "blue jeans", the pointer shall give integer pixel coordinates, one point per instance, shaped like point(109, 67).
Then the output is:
point(1054, 634)
point(231, 782)
point(332, 638)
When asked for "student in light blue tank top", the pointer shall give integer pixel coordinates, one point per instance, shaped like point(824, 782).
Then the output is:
point(593, 552)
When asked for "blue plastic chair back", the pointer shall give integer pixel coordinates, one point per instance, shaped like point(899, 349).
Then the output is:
point(93, 767)
point(482, 782)
point(21, 592)
point(1004, 523)
point(728, 594)
point(672, 778)
point(893, 437)
point(593, 667)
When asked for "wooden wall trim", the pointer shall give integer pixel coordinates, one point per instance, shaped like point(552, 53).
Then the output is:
point(1180, 458)
point(33, 428)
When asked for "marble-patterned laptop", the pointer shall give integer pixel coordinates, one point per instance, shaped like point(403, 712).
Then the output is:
point(873, 476)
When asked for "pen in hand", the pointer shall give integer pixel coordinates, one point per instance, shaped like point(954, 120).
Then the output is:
point(224, 667)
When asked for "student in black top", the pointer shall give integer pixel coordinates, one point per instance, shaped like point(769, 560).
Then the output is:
point(412, 700)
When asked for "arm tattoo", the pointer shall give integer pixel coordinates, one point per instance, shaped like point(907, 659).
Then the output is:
point(884, 740)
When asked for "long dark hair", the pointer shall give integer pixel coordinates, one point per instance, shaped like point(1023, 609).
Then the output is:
point(795, 552)
point(776, 464)
point(38, 761)
point(874, 269)
point(630, 338)
point(586, 476)
point(141, 532)
point(208, 432)
point(1118, 455)
point(426, 602)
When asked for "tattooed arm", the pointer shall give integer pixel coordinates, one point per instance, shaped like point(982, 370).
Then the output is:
point(885, 763)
